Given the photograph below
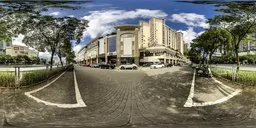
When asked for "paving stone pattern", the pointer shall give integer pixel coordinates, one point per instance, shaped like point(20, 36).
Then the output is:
point(128, 99)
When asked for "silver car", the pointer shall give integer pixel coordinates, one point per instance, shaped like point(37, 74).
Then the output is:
point(128, 66)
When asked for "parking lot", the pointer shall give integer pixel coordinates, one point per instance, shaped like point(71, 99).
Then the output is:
point(129, 98)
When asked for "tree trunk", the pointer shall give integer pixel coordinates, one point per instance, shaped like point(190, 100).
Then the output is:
point(60, 57)
point(51, 62)
point(210, 58)
point(237, 63)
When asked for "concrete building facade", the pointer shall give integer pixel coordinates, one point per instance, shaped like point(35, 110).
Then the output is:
point(3, 46)
point(127, 44)
point(147, 42)
point(15, 50)
point(165, 45)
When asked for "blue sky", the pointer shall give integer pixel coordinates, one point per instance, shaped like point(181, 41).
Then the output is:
point(103, 15)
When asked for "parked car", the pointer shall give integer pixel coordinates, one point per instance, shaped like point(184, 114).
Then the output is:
point(157, 65)
point(193, 65)
point(203, 70)
point(106, 66)
point(128, 66)
point(169, 65)
point(147, 64)
point(94, 66)
point(86, 65)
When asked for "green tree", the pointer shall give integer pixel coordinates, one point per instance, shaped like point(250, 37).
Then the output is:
point(9, 59)
point(14, 12)
point(26, 59)
point(18, 59)
point(49, 33)
point(213, 39)
point(43, 61)
point(2, 58)
point(70, 57)
point(194, 54)
point(35, 60)
point(66, 51)
point(239, 19)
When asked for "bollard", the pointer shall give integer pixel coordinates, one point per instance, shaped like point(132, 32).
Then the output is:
point(17, 76)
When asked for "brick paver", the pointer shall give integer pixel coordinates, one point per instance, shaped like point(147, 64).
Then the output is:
point(130, 98)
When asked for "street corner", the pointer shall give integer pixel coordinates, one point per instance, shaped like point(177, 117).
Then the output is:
point(207, 91)
point(65, 85)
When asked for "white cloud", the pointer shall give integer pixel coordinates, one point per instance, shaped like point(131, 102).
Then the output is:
point(54, 13)
point(18, 40)
point(189, 34)
point(71, 16)
point(77, 48)
point(102, 22)
point(190, 19)
point(45, 55)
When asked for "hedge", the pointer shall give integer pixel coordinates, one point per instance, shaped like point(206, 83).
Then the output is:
point(7, 79)
point(244, 77)
point(37, 76)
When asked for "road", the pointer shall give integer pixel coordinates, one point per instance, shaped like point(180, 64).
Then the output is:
point(242, 67)
point(7, 69)
point(150, 98)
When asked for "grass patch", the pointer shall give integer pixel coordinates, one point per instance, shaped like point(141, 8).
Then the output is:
point(33, 77)
point(7, 79)
point(244, 77)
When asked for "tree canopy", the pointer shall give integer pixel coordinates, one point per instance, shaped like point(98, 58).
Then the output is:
point(42, 32)
point(49, 33)
point(237, 17)
point(212, 39)
point(14, 12)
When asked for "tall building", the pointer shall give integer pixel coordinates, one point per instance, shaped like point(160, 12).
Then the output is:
point(144, 34)
point(146, 42)
point(248, 46)
point(3, 46)
point(157, 27)
point(165, 45)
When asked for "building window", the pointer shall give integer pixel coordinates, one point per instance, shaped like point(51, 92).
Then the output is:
point(16, 48)
point(158, 54)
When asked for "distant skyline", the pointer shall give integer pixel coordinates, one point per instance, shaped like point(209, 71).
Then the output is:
point(103, 15)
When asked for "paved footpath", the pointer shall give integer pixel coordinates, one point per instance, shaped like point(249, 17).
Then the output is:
point(124, 99)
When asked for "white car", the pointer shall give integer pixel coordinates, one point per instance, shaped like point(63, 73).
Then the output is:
point(158, 65)
point(128, 66)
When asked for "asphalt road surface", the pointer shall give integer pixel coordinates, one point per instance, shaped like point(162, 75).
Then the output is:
point(123, 99)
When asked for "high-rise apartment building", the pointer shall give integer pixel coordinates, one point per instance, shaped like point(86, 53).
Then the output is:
point(164, 44)
point(144, 34)
point(146, 42)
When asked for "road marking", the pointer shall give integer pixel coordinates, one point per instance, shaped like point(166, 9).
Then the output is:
point(79, 99)
point(191, 103)
point(224, 99)
point(80, 102)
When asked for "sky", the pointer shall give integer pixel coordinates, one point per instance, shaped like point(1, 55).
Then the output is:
point(103, 15)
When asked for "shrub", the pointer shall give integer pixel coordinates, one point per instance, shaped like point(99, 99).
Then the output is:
point(244, 77)
point(7, 79)
point(36, 76)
